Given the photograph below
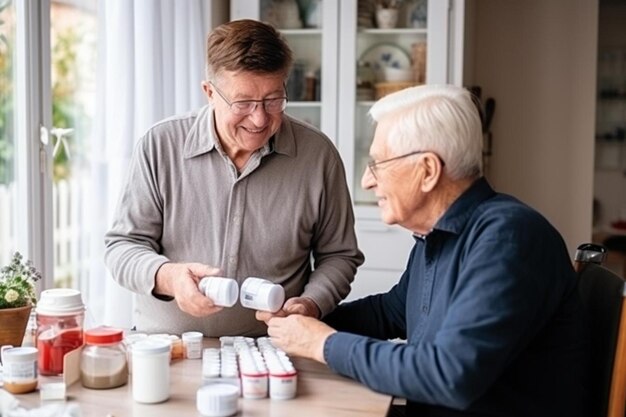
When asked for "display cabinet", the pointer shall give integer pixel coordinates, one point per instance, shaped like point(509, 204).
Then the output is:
point(611, 110)
point(386, 50)
point(312, 34)
point(358, 62)
point(437, 39)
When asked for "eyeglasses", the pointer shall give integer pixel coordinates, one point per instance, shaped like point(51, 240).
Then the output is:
point(373, 164)
point(245, 107)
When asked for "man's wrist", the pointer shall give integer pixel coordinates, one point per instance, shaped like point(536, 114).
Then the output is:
point(322, 347)
point(162, 280)
point(312, 308)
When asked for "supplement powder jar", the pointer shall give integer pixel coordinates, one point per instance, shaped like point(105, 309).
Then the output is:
point(20, 369)
point(151, 371)
point(103, 359)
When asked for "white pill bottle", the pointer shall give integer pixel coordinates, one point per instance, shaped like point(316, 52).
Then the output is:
point(151, 371)
point(261, 294)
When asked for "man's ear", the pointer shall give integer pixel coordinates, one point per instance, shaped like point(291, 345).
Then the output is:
point(207, 89)
point(433, 170)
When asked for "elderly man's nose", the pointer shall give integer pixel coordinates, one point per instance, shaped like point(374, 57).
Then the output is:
point(368, 180)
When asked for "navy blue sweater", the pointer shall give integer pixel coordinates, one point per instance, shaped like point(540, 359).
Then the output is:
point(490, 313)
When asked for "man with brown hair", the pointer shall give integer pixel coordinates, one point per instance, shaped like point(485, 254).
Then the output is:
point(236, 189)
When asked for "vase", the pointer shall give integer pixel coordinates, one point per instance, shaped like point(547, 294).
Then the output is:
point(386, 18)
point(283, 14)
point(417, 14)
point(13, 323)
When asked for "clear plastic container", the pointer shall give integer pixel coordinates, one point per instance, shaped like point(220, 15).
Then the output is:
point(60, 317)
point(103, 362)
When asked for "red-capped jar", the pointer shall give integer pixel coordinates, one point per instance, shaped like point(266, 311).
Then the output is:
point(60, 317)
point(103, 359)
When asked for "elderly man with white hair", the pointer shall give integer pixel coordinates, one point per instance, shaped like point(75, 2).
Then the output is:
point(487, 303)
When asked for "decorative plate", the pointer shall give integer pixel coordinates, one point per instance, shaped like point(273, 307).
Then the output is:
point(386, 55)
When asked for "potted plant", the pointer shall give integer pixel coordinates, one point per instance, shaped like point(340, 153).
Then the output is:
point(17, 297)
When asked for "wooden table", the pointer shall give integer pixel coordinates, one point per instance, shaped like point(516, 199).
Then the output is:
point(320, 393)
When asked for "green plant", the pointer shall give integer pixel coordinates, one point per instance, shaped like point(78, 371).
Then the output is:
point(17, 283)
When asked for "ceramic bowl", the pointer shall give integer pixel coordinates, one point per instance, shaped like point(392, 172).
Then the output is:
point(397, 74)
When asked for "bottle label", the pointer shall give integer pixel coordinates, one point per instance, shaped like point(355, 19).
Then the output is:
point(20, 371)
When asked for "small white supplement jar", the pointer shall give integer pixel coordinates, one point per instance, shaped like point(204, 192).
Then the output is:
point(222, 291)
point(283, 384)
point(151, 371)
point(254, 373)
point(261, 294)
point(283, 377)
point(217, 400)
point(20, 369)
point(192, 344)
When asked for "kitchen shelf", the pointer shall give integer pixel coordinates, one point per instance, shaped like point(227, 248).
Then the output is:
point(396, 31)
point(301, 32)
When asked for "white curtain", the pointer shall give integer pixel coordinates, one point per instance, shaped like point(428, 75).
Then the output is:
point(151, 64)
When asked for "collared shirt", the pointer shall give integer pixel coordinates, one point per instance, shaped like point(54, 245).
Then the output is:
point(489, 307)
point(286, 217)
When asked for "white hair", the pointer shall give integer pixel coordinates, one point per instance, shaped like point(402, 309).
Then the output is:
point(439, 118)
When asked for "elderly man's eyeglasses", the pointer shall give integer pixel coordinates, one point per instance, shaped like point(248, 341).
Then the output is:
point(245, 107)
point(372, 165)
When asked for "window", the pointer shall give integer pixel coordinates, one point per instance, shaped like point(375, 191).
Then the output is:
point(61, 162)
point(73, 30)
point(8, 143)
point(47, 100)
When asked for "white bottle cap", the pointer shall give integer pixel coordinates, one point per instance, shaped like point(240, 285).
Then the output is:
point(261, 294)
point(222, 291)
point(192, 336)
point(217, 400)
point(151, 346)
point(60, 302)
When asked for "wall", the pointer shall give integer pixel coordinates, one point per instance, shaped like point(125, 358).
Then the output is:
point(219, 12)
point(537, 59)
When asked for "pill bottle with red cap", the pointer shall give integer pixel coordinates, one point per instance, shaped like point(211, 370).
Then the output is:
point(103, 362)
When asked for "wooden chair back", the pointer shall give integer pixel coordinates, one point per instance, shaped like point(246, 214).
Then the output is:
point(604, 296)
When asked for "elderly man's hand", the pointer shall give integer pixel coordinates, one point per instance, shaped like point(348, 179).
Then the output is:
point(181, 282)
point(300, 336)
point(295, 305)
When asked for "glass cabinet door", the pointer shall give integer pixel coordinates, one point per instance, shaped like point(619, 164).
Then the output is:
point(347, 57)
point(380, 55)
point(311, 29)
